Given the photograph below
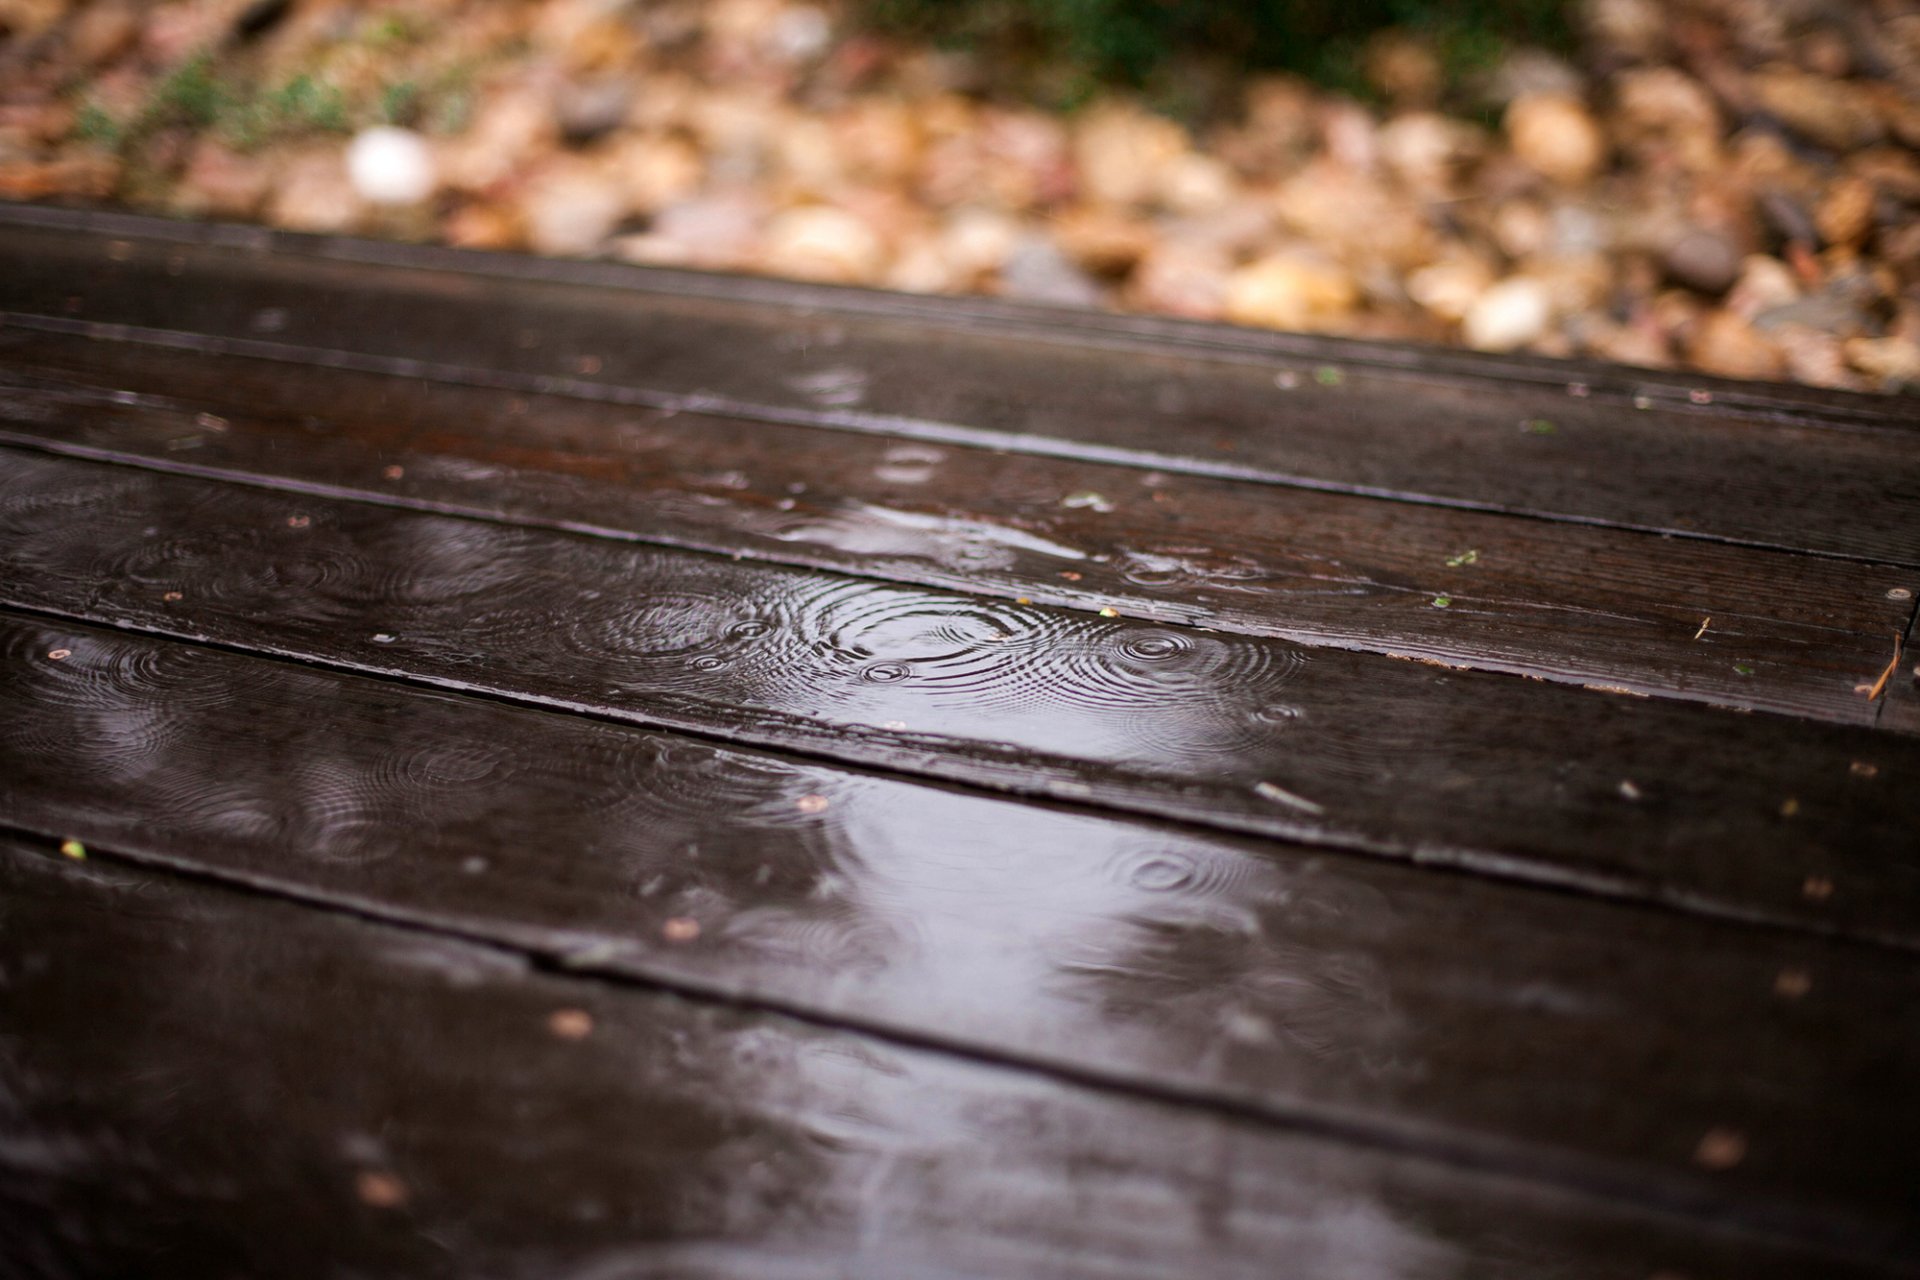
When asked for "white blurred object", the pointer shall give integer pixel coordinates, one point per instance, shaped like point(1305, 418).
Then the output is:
point(391, 166)
point(801, 33)
point(1509, 315)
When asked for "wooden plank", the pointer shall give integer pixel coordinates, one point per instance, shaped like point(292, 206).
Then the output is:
point(1488, 1025)
point(1028, 321)
point(1577, 604)
point(392, 1103)
point(1470, 443)
point(1747, 815)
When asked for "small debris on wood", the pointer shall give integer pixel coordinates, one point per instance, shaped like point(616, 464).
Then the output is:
point(1720, 1149)
point(1704, 624)
point(570, 1024)
point(1879, 686)
point(680, 929)
point(1280, 795)
point(73, 849)
point(380, 1190)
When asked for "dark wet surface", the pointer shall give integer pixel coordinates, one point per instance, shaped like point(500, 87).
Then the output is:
point(1348, 430)
point(898, 827)
point(1250, 733)
point(271, 1090)
point(1576, 604)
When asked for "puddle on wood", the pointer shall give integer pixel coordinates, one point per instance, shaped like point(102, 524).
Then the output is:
point(1391, 753)
point(414, 1103)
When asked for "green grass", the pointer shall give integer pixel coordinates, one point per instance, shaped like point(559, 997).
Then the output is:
point(247, 117)
point(303, 105)
point(93, 124)
point(1063, 49)
point(189, 96)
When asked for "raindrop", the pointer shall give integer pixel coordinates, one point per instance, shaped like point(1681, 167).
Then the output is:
point(1154, 646)
point(1162, 874)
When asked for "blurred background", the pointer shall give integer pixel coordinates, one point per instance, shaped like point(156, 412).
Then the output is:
point(1727, 185)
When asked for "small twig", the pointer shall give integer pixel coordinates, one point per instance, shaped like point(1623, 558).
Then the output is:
point(1280, 795)
point(1880, 685)
point(1703, 626)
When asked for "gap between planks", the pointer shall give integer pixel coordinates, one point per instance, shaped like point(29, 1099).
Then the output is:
point(1074, 397)
point(1644, 1189)
point(1802, 658)
point(1341, 686)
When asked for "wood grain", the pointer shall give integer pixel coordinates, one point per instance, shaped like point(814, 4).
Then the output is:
point(1707, 810)
point(389, 1103)
point(1347, 997)
point(1489, 445)
point(1576, 604)
point(1026, 321)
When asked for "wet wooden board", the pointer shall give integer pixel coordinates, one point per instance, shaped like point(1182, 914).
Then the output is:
point(1348, 996)
point(1029, 321)
point(1578, 604)
point(1752, 816)
point(393, 1103)
point(1853, 490)
point(403, 712)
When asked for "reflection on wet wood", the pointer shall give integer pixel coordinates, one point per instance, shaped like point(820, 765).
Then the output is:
point(395, 1103)
point(954, 874)
point(1478, 443)
point(1350, 994)
point(1578, 604)
point(1701, 808)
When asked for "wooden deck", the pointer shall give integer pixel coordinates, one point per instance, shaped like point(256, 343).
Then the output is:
point(597, 772)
